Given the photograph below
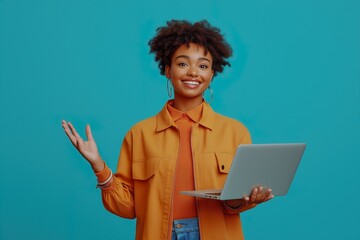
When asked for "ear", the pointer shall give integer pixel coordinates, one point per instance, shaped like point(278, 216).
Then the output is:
point(167, 71)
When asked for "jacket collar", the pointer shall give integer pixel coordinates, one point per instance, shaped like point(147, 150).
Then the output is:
point(164, 119)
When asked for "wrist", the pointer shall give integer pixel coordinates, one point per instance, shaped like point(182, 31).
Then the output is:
point(98, 166)
point(234, 204)
point(107, 182)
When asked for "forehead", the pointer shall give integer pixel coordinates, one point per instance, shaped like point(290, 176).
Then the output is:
point(192, 50)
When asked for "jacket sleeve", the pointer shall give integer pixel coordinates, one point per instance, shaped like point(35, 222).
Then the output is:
point(118, 197)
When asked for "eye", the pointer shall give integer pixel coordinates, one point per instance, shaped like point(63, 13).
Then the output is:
point(182, 64)
point(203, 66)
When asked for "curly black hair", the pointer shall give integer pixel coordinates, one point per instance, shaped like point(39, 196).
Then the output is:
point(179, 32)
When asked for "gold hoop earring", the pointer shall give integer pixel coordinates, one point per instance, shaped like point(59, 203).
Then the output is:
point(169, 88)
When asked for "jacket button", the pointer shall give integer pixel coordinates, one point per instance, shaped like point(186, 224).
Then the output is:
point(222, 167)
point(178, 225)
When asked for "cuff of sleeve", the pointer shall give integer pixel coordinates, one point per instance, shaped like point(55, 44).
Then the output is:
point(103, 175)
point(230, 210)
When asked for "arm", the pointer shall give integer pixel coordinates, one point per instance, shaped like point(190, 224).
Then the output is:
point(118, 196)
point(117, 191)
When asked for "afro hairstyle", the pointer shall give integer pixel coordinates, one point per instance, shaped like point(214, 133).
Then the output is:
point(176, 33)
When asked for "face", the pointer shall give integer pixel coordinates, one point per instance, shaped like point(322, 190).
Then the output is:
point(190, 72)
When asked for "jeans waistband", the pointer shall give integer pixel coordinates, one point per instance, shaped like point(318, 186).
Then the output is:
point(186, 225)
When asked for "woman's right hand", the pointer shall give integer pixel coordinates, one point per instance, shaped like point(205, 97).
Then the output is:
point(87, 149)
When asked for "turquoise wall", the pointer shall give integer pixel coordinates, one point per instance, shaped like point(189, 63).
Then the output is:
point(295, 77)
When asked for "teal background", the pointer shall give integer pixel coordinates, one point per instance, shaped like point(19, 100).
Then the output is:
point(295, 77)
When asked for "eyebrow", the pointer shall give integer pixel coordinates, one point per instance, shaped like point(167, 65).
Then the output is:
point(187, 57)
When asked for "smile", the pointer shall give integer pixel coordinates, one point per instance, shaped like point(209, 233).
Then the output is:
point(191, 83)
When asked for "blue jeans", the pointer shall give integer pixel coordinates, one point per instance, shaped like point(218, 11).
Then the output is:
point(186, 229)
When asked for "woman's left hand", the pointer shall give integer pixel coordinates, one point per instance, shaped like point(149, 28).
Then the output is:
point(258, 195)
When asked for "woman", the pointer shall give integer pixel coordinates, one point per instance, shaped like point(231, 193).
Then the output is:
point(186, 146)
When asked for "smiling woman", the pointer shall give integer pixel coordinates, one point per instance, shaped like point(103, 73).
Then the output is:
point(165, 154)
point(191, 73)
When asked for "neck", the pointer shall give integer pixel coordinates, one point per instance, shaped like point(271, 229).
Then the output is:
point(186, 104)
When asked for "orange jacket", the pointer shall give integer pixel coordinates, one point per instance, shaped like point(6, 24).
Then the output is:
point(144, 182)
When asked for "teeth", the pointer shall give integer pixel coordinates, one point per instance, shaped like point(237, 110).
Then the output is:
point(192, 82)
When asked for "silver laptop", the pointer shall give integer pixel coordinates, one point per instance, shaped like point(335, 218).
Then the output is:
point(268, 165)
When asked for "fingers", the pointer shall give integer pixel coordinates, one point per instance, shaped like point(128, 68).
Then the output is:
point(68, 132)
point(88, 133)
point(269, 195)
point(71, 132)
point(260, 195)
point(254, 195)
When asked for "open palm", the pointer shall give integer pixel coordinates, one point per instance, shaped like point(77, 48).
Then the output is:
point(88, 149)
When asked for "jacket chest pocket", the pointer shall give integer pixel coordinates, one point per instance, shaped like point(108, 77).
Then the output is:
point(223, 164)
point(144, 169)
point(223, 161)
point(212, 169)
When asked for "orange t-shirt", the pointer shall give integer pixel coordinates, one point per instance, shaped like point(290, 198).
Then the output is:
point(184, 206)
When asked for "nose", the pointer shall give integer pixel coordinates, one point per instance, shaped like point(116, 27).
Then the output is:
point(192, 71)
